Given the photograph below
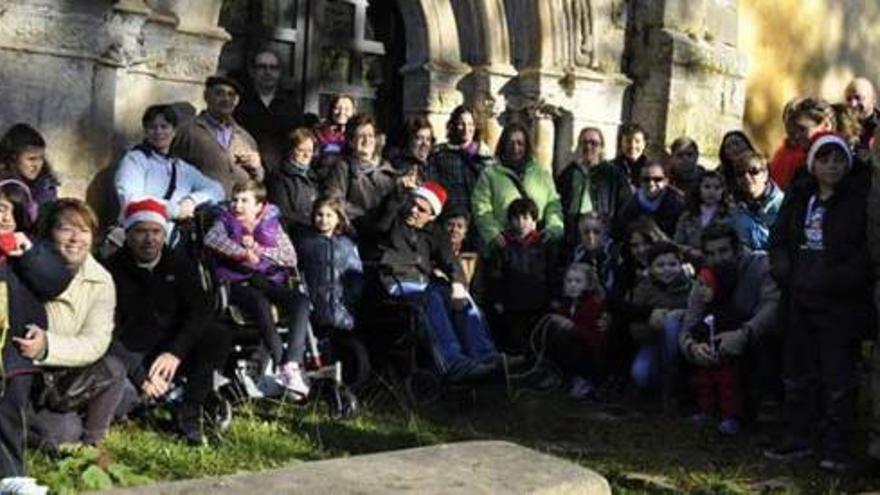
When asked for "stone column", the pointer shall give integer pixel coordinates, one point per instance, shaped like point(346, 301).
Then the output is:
point(431, 90)
point(688, 72)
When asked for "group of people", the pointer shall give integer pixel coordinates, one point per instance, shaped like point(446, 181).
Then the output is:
point(720, 291)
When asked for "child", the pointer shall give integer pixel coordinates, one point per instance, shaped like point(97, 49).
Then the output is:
point(718, 378)
point(521, 272)
point(256, 258)
point(332, 268)
point(595, 248)
point(23, 157)
point(707, 203)
point(665, 293)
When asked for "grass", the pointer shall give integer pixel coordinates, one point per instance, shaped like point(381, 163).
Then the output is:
point(638, 453)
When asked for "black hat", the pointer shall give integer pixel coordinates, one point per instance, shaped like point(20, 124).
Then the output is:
point(215, 80)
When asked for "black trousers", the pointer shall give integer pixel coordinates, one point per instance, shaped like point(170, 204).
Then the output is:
point(13, 410)
point(255, 302)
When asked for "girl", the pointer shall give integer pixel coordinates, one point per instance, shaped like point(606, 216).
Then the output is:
point(331, 267)
point(733, 144)
point(23, 157)
point(595, 248)
point(708, 202)
point(256, 258)
point(331, 134)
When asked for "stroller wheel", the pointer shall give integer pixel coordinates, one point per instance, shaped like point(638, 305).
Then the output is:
point(423, 387)
point(218, 412)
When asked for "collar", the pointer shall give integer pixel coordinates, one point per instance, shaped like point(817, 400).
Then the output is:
point(150, 266)
point(216, 124)
point(91, 270)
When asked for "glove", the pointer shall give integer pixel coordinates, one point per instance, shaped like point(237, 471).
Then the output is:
point(732, 343)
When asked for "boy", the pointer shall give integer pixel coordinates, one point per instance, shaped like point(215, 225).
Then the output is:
point(522, 272)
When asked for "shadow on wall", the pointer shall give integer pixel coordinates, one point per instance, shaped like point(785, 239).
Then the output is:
point(803, 47)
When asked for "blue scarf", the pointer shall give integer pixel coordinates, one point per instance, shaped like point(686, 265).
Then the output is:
point(647, 204)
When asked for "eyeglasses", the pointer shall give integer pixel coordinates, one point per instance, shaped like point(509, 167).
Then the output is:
point(753, 171)
point(591, 142)
point(654, 180)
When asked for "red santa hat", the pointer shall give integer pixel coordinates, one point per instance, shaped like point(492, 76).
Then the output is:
point(828, 138)
point(145, 210)
point(434, 194)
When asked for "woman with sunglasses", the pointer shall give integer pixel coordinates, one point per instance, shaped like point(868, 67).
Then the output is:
point(590, 184)
point(655, 199)
point(759, 200)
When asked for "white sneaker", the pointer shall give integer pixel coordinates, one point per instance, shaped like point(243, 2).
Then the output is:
point(293, 379)
point(581, 388)
point(20, 485)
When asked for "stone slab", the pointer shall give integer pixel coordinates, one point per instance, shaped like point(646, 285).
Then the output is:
point(479, 467)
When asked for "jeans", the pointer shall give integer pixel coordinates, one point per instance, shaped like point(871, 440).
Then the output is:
point(659, 359)
point(456, 335)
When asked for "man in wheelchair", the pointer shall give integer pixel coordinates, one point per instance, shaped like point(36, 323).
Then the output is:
point(417, 264)
point(165, 326)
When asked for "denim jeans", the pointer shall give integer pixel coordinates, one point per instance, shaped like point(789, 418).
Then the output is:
point(656, 359)
point(456, 335)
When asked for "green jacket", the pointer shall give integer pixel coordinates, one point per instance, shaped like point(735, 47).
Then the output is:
point(496, 189)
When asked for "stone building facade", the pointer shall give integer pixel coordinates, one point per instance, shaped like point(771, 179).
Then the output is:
point(83, 70)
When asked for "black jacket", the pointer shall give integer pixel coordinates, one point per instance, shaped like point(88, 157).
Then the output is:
point(841, 273)
point(268, 125)
point(671, 207)
point(163, 310)
point(293, 190)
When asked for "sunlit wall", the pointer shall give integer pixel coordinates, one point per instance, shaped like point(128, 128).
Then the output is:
point(803, 47)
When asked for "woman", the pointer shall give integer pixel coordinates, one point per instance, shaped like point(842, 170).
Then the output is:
point(80, 326)
point(293, 185)
point(517, 174)
point(147, 170)
point(30, 273)
point(331, 133)
point(457, 163)
point(759, 201)
point(23, 157)
point(733, 144)
point(590, 184)
point(360, 177)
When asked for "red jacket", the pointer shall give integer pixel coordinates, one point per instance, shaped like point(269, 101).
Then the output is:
point(586, 314)
point(785, 163)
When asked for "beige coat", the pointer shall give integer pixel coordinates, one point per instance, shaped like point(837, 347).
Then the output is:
point(195, 142)
point(81, 318)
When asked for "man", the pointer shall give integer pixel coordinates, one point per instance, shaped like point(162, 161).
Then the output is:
point(872, 463)
point(214, 142)
point(265, 111)
point(862, 99)
point(164, 323)
point(412, 251)
point(654, 199)
point(754, 300)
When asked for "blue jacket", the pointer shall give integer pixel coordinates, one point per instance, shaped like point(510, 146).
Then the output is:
point(753, 221)
point(333, 273)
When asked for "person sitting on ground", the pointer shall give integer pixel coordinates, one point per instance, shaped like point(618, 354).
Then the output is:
point(516, 174)
point(165, 327)
point(754, 339)
point(80, 327)
point(819, 256)
point(577, 332)
point(23, 157)
point(293, 186)
point(654, 199)
point(759, 201)
point(331, 133)
point(31, 273)
point(808, 117)
point(595, 249)
point(522, 274)
point(257, 259)
point(359, 176)
point(147, 170)
point(215, 143)
point(665, 293)
point(413, 251)
point(590, 184)
point(631, 143)
point(684, 164)
point(707, 203)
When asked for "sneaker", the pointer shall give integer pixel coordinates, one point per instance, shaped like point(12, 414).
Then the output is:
point(270, 386)
point(21, 485)
point(836, 466)
point(581, 388)
point(729, 426)
point(293, 380)
point(788, 452)
point(699, 419)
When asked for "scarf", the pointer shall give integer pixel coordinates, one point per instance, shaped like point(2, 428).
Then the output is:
point(647, 204)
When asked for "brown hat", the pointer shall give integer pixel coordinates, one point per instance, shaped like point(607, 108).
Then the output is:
point(220, 79)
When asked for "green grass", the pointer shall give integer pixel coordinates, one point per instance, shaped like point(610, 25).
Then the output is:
point(638, 453)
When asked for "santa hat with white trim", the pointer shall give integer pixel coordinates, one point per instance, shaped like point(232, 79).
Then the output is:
point(825, 139)
point(145, 210)
point(434, 194)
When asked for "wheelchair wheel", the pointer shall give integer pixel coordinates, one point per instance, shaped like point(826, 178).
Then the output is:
point(342, 403)
point(218, 412)
point(423, 387)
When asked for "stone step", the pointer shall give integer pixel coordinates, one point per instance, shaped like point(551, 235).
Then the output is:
point(479, 467)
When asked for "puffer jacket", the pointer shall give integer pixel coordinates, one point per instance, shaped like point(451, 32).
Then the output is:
point(653, 294)
point(496, 189)
point(524, 273)
point(333, 273)
point(753, 221)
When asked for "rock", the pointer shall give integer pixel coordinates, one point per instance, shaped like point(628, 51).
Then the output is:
point(488, 467)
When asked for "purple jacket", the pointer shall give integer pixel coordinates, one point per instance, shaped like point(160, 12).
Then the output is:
point(276, 252)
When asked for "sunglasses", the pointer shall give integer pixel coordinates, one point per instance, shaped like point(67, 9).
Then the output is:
point(266, 67)
point(753, 171)
point(591, 142)
point(654, 180)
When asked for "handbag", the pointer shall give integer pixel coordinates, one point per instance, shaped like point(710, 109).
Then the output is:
point(69, 389)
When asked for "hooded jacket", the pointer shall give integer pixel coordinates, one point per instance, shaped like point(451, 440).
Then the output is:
point(333, 273)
